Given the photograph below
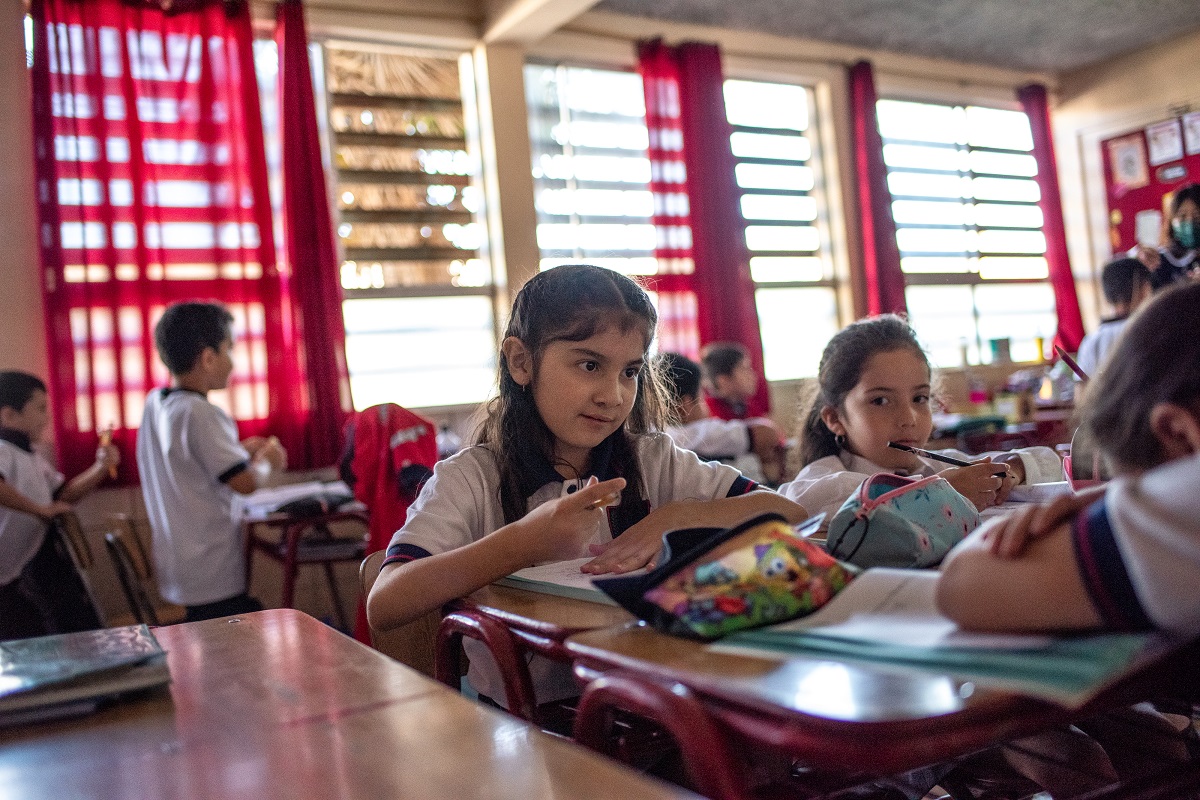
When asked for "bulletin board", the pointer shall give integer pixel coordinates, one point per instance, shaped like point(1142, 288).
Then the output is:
point(1141, 170)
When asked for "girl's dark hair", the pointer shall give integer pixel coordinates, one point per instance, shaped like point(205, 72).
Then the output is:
point(570, 303)
point(842, 365)
point(1189, 191)
point(1156, 360)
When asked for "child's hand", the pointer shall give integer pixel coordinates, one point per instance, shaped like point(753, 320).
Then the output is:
point(253, 444)
point(560, 527)
point(637, 547)
point(272, 452)
point(1015, 476)
point(977, 482)
point(54, 509)
point(108, 457)
point(1008, 537)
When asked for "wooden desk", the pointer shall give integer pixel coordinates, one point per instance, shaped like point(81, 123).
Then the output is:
point(278, 705)
point(844, 717)
point(542, 622)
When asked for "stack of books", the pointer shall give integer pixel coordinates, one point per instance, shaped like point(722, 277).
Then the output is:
point(50, 677)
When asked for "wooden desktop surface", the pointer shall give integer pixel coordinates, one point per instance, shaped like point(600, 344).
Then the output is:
point(277, 705)
point(836, 715)
point(544, 621)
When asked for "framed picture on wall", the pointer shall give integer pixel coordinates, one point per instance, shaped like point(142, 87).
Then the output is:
point(1128, 158)
point(1191, 133)
point(1164, 140)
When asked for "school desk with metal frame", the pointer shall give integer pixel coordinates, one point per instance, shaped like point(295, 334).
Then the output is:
point(830, 718)
point(278, 705)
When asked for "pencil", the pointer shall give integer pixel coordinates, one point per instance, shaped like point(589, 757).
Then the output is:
point(1070, 362)
point(105, 441)
point(958, 462)
point(608, 500)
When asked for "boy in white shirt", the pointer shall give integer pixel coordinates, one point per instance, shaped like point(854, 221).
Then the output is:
point(191, 464)
point(755, 446)
point(39, 593)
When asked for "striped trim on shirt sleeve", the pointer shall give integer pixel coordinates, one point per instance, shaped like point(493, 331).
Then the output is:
point(741, 485)
point(1103, 571)
point(401, 553)
point(236, 469)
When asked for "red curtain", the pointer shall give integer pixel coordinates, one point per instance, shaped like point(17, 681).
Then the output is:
point(685, 113)
point(881, 254)
point(310, 256)
point(1070, 322)
point(152, 188)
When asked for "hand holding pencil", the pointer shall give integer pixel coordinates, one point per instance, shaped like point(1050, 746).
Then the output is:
point(107, 454)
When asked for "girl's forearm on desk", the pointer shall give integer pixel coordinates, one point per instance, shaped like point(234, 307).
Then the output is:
point(404, 592)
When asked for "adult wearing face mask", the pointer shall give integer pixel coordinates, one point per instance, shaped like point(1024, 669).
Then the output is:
point(1181, 254)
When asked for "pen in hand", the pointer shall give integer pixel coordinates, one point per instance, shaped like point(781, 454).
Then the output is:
point(105, 440)
point(958, 462)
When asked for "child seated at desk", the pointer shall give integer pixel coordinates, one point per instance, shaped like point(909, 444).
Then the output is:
point(728, 378)
point(35, 591)
point(1126, 283)
point(754, 446)
point(874, 387)
point(568, 463)
point(1125, 556)
point(191, 464)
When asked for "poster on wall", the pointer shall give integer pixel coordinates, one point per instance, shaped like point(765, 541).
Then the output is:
point(1142, 167)
point(1129, 169)
point(1191, 133)
point(1164, 141)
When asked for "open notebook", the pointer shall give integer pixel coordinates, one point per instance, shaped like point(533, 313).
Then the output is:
point(561, 578)
point(888, 618)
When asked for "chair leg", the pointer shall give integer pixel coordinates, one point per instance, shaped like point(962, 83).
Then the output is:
point(709, 764)
point(518, 685)
point(338, 609)
point(290, 565)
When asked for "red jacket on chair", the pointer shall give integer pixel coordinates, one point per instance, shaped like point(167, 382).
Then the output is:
point(390, 452)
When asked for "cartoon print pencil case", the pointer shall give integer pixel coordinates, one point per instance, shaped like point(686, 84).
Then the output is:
point(893, 521)
point(712, 582)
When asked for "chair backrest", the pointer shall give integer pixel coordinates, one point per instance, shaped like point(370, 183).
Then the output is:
point(411, 644)
point(71, 532)
point(132, 572)
point(125, 523)
point(73, 545)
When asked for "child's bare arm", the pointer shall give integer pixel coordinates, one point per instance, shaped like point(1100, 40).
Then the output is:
point(11, 498)
point(1039, 590)
point(266, 458)
point(637, 547)
point(107, 459)
point(552, 531)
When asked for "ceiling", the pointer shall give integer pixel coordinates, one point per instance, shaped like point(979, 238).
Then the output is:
point(1039, 35)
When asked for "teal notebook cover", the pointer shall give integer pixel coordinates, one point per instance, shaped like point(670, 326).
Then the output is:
point(888, 618)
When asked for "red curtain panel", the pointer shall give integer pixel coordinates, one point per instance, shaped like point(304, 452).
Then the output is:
point(1070, 322)
point(692, 169)
point(152, 188)
point(881, 255)
point(310, 256)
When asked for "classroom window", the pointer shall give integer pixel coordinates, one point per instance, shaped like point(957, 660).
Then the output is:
point(778, 171)
point(410, 228)
point(591, 173)
point(964, 200)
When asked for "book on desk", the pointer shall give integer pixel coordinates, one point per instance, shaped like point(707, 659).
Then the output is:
point(561, 578)
point(50, 677)
point(888, 618)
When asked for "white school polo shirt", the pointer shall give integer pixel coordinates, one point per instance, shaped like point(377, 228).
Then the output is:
point(460, 504)
point(187, 449)
point(20, 533)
